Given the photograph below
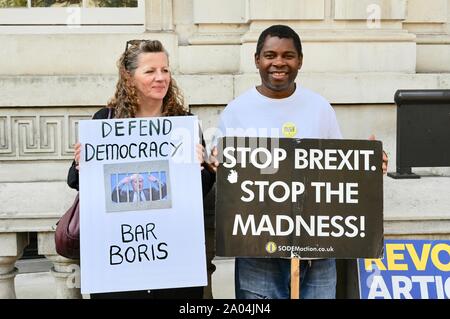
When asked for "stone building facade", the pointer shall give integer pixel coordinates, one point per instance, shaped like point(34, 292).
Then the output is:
point(60, 67)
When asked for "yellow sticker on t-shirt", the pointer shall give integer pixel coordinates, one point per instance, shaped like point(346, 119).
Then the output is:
point(289, 129)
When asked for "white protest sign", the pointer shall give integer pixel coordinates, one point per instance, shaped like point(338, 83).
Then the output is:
point(141, 211)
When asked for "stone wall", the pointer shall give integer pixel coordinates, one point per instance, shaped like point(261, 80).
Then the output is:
point(357, 53)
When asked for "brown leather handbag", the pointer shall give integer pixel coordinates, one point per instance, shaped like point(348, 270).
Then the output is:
point(67, 235)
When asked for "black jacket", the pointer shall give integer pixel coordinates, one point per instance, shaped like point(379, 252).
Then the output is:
point(208, 177)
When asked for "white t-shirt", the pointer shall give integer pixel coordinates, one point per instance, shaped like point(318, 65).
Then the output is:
point(304, 114)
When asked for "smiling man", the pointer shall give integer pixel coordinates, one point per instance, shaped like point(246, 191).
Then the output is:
point(279, 107)
point(278, 61)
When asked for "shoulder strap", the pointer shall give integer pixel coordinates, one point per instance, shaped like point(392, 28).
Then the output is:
point(109, 112)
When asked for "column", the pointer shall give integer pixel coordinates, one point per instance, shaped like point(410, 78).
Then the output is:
point(7, 275)
point(430, 21)
point(11, 249)
point(65, 271)
point(158, 14)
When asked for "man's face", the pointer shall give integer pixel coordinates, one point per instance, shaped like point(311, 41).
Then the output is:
point(278, 65)
point(137, 181)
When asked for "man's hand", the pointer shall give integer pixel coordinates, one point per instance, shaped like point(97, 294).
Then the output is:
point(385, 157)
point(77, 152)
point(201, 156)
point(124, 181)
point(214, 163)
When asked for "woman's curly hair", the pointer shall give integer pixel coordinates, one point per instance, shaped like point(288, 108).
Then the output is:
point(125, 100)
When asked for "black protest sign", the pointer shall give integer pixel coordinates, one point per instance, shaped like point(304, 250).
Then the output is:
point(309, 197)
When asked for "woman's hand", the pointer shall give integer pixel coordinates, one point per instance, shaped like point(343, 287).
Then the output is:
point(77, 155)
point(200, 153)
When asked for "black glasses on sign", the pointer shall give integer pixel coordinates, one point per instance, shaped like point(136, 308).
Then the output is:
point(134, 42)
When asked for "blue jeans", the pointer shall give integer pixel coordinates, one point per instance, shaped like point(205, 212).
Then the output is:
point(270, 278)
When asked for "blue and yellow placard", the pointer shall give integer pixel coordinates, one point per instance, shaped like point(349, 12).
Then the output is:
point(410, 269)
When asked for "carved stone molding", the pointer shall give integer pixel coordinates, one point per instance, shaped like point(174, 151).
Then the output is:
point(38, 134)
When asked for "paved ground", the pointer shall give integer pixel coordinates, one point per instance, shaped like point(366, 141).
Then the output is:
point(34, 280)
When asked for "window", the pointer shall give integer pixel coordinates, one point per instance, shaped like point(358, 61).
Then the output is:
point(71, 13)
point(68, 3)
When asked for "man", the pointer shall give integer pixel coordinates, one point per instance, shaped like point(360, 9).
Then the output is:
point(280, 108)
point(137, 194)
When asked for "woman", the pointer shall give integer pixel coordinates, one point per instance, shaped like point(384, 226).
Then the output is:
point(146, 89)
